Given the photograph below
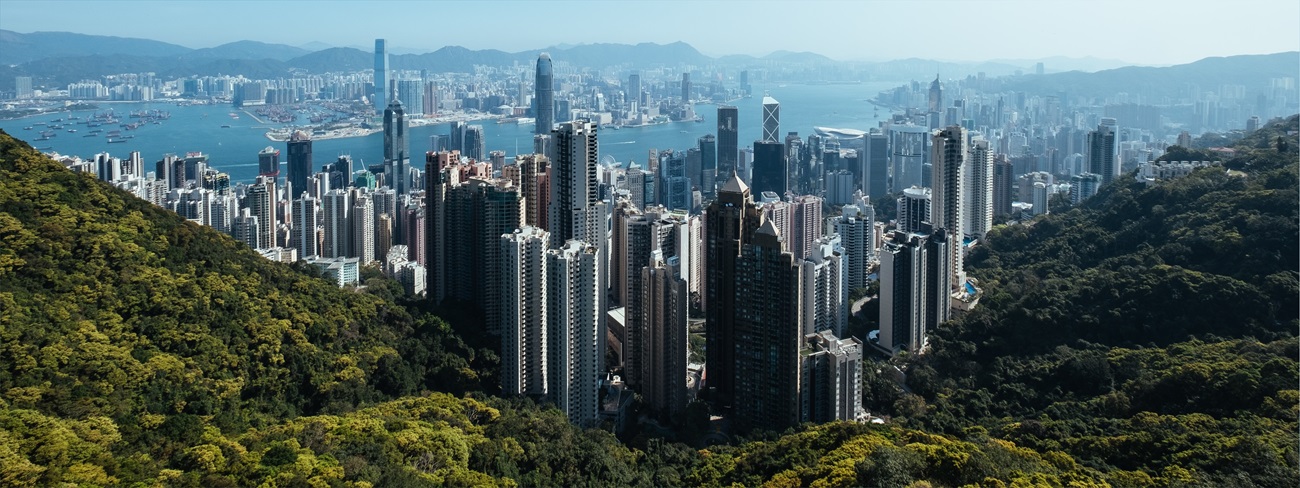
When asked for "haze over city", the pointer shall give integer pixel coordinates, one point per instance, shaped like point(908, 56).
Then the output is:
point(648, 244)
point(1146, 32)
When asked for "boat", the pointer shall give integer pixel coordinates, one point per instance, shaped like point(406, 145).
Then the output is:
point(43, 138)
point(115, 141)
point(227, 126)
point(27, 128)
point(72, 130)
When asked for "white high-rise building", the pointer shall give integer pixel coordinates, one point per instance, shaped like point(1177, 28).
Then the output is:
point(575, 332)
point(337, 208)
point(856, 228)
point(949, 159)
point(523, 312)
point(304, 227)
point(824, 301)
point(224, 209)
point(363, 230)
point(831, 378)
point(260, 200)
point(246, 228)
point(978, 193)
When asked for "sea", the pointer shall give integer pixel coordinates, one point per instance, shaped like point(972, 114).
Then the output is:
point(233, 150)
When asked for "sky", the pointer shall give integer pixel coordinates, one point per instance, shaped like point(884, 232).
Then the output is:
point(1149, 32)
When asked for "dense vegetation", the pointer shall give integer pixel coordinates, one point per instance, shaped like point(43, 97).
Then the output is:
point(1145, 338)
point(1150, 333)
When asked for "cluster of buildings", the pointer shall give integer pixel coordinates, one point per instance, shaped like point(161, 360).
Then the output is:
point(592, 274)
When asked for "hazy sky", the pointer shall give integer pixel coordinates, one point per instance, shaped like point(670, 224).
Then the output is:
point(1137, 31)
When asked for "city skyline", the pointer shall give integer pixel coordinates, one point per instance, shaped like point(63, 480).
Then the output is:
point(1011, 30)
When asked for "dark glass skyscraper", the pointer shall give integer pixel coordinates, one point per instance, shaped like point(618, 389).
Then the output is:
point(729, 223)
point(708, 163)
point(728, 141)
point(544, 96)
point(396, 149)
point(771, 173)
point(381, 75)
point(268, 162)
point(299, 162)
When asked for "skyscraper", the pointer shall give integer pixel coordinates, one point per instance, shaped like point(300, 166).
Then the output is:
point(831, 378)
point(823, 293)
point(1102, 151)
point(663, 380)
point(304, 227)
point(337, 207)
point(1083, 186)
point(523, 312)
point(950, 164)
point(381, 75)
point(768, 334)
point(543, 95)
point(475, 145)
point(936, 96)
point(1003, 177)
point(363, 229)
point(686, 88)
point(978, 193)
point(877, 165)
point(728, 142)
point(771, 120)
point(268, 162)
point(730, 222)
point(805, 227)
point(907, 291)
point(411, 94)
point(856, 228)
point(259, 198)
point(575, 333)
point(907, 155)
point(467, 219)
point(771, 171)
point(641, 236)
point(633, 91)
point(575, 189)
point(300, 163)
point(708, 163)
point(914, 209)
point(396, 149)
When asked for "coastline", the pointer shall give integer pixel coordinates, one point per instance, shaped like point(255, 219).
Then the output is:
point(282, 135)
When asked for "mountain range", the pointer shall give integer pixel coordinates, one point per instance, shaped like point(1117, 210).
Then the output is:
point(59, 58)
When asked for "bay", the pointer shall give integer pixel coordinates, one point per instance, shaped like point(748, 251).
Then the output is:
point(234, 150)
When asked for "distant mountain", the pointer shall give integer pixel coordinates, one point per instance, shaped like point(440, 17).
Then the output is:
point(1209, 73)
point(16, 47)
point(643, 54)
point(1056, 64)
point(334, 59)
point(248, 50)
point(315, 46)
point(799, 57)
point(452, 58)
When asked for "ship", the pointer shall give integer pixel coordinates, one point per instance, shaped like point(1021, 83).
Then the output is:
point(226, 126)
point(114, 141)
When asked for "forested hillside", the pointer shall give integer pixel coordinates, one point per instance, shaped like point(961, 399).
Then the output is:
point(1150, 332)
point(1145, 338)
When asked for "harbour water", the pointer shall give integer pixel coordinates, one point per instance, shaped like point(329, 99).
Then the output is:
point(234, 149)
